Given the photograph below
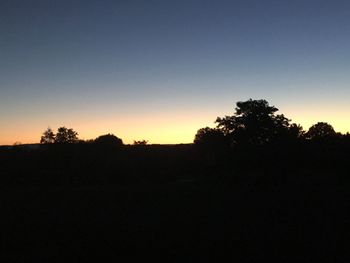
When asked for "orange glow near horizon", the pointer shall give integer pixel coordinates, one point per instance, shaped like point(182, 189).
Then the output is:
point(160, 128)
point(166, 128)
point(338, 116)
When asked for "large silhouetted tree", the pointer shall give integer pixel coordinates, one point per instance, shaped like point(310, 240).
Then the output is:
point(48, 136)
point(65, 135)
point(320, 130)
point(255, 122)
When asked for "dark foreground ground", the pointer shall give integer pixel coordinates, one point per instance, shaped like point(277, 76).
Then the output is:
point(189, 212)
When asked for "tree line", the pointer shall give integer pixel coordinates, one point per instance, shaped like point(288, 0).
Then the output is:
point(68, 136)
point(254, 123)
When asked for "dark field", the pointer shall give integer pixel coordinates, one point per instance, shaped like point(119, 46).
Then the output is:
point(171, 203)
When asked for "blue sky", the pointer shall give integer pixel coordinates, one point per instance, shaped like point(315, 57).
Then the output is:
point(160, 70)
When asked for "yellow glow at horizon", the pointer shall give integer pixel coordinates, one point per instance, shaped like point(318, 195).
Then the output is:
point(157, 128)
point(160, 128)
point(338, 117)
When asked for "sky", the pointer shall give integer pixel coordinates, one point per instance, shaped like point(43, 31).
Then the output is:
point(159, 70)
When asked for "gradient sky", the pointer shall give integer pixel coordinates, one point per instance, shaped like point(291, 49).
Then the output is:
point(160, 70)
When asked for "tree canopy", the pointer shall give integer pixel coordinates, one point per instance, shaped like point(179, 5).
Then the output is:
point(109, 139)
point(255, 122)
point(48, 136)
point(320, 130)
point(65, 135)
point(210, 137)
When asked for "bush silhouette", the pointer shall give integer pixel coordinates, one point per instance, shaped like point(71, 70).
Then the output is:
point(209, 138)
point(143, 142)
point(109, 139)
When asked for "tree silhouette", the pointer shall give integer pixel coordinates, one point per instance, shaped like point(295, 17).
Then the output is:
point(320, 130)
point(48, 136)
point(296, 131)
point(109, 139)
point(209, 137)
point(65, 135)
point(255, 123)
